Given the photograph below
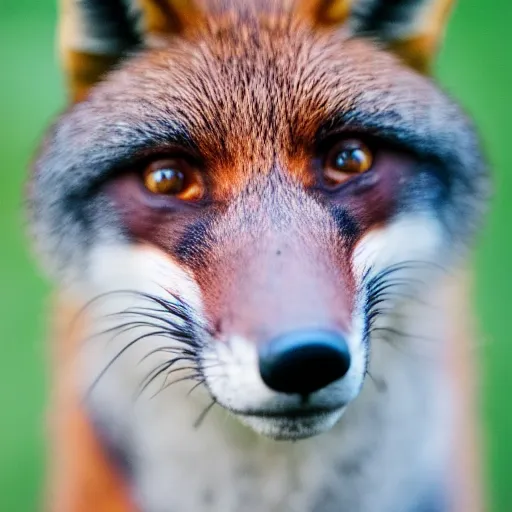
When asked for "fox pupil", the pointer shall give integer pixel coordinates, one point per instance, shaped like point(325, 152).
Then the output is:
point(166, 181)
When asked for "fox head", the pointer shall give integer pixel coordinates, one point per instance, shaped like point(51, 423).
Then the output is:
point(246, 196)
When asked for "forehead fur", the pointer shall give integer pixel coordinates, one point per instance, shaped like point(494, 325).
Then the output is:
point(247, 93)
point(269, 82)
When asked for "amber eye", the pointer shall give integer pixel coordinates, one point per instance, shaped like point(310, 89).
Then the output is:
point(346, 159)
point(173, 177)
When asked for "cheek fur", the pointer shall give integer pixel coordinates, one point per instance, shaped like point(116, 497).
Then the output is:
point(412, 237)
point(278, 259)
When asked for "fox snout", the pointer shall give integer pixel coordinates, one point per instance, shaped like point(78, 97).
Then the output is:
point(275, 277)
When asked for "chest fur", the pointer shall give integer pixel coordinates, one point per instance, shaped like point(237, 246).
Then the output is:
point(386, 454)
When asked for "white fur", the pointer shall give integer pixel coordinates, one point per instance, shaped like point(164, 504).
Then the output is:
point(394, 440)
point(409, 238)
point(237, 385)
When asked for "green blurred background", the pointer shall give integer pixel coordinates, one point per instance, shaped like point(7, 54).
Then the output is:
point(475, 66)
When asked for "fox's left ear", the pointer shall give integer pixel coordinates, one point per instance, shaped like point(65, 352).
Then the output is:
point(96, 34)
point(413, 29)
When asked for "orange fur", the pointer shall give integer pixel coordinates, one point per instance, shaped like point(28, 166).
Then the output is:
point(81, 479)
point(84, 70)
point(418, 48)
point(460, 359)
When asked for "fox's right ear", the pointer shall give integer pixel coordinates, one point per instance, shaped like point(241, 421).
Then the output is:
point(412, 29)
point(96, 34)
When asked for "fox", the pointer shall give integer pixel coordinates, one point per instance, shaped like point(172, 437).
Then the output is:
point(258, 218)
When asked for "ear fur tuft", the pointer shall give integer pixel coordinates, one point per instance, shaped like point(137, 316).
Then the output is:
point(412, 29)
point(96, 34)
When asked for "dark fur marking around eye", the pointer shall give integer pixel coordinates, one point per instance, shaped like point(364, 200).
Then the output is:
point(194, 241)
point(346, 223)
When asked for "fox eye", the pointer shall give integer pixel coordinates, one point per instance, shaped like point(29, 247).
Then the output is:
point(173, 177)
point(345, 159)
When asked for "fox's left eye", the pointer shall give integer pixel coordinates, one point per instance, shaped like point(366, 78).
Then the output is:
point(345, 159)
point(173, 177)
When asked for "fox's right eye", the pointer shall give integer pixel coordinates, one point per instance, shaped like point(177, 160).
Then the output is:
point(173, 177)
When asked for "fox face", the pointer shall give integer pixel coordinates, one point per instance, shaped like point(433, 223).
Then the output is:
point(251, 204)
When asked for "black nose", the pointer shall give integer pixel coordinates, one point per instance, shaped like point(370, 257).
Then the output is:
point(304, 361)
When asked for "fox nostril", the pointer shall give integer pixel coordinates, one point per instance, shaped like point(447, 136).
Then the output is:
point(303, 362)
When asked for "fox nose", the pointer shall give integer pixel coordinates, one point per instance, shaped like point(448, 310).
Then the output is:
point(304, 361)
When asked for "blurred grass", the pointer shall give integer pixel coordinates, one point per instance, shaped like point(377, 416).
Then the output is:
point(29, 95)
point(475, 66)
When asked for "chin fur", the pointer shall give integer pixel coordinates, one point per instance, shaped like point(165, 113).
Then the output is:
point(292, 428)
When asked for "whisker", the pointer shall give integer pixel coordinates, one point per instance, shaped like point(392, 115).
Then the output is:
point(195, 386)
point(117, 356)
point(203, 414)
point(156, 372)
point(171, 350)
point(379, 384)
point(402, 334)
point(176, 370)
point(178, 308)
point(129, 326)
point(162, 368)
point(195, 377)
point(173, 328)
point(387, 286)
point(189, 320)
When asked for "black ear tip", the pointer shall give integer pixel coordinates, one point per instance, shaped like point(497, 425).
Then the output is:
point(106, 20)
point(96, 35)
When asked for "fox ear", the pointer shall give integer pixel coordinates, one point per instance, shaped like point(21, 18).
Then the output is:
point(413, 29)
point(96, 34)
